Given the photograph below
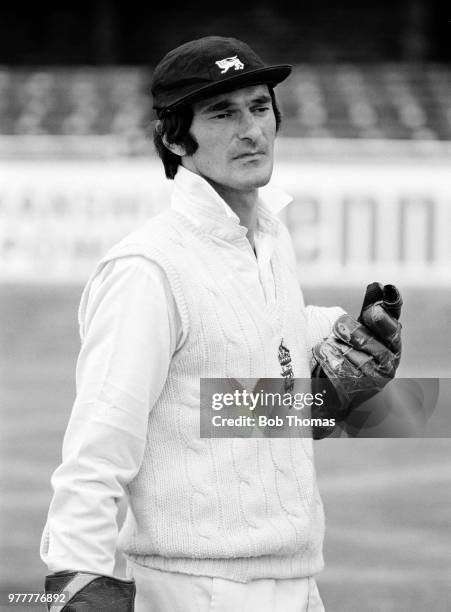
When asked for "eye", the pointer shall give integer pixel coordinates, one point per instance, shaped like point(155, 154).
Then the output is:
point(223, 115)
point(262, 109)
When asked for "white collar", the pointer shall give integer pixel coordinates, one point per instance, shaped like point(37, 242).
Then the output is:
point(194, 197)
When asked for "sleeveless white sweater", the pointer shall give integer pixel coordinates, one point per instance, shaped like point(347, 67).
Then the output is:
point(239, 509)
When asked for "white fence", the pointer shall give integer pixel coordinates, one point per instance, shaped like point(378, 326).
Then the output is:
point(351, 221)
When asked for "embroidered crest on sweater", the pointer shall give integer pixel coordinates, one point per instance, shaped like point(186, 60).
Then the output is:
point(287, 368)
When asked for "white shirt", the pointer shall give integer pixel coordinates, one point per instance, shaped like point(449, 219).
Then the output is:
point(131, 330)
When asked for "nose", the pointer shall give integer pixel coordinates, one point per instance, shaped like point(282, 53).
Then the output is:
point(249, 127)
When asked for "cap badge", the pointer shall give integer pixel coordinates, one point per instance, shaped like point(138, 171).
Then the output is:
point(230, 62)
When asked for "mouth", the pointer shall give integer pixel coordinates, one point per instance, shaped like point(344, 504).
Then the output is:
point(249, 156)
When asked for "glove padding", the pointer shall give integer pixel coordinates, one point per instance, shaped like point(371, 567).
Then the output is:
point(360, 356)
point(88, 592)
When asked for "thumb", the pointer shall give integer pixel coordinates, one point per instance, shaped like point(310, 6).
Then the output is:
point(388, 295)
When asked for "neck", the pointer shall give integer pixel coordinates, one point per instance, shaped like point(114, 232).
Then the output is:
point(244, 204)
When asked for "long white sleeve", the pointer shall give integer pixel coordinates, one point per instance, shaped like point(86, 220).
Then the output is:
point(131, 327)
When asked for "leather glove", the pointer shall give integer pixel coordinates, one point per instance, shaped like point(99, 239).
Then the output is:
point(88, 592)
point(360, 356)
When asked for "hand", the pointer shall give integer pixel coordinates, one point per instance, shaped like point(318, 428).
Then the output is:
point(361, 356)
point(89, 592)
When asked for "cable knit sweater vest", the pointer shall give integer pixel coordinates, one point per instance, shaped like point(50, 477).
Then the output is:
point(240, 509)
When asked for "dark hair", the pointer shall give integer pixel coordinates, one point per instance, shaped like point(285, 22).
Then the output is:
point(175, 128)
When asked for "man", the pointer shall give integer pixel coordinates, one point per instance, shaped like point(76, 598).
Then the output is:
point(207, 289)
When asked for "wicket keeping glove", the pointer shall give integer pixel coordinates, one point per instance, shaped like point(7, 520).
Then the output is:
point(88, 592)
point(360, 356)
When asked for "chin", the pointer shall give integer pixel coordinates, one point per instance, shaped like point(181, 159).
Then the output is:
point(256, 179)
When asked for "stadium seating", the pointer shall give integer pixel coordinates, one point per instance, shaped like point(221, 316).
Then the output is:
point(388, 101)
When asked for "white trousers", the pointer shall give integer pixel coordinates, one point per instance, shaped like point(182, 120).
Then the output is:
point(158, 591)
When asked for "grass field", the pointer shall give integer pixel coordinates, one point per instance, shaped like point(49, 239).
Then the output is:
point(388, 502)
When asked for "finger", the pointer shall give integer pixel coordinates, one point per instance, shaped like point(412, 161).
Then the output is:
point(359, 359)
point(381, 323)
point(388, 294)
point(359, 337)
point(348, 362)
point(360, 369)
point(330, 354)
point(380, 371)
point(392, 301)
point(374, 293)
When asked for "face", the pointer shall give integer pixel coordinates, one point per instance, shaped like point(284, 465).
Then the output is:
point(235, 133)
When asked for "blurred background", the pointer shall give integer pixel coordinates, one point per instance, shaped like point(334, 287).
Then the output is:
point(365, 149)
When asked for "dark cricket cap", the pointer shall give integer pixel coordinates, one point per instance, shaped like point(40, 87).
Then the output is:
point(206, 67)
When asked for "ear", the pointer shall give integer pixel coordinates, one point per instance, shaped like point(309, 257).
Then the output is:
point(177, 149)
